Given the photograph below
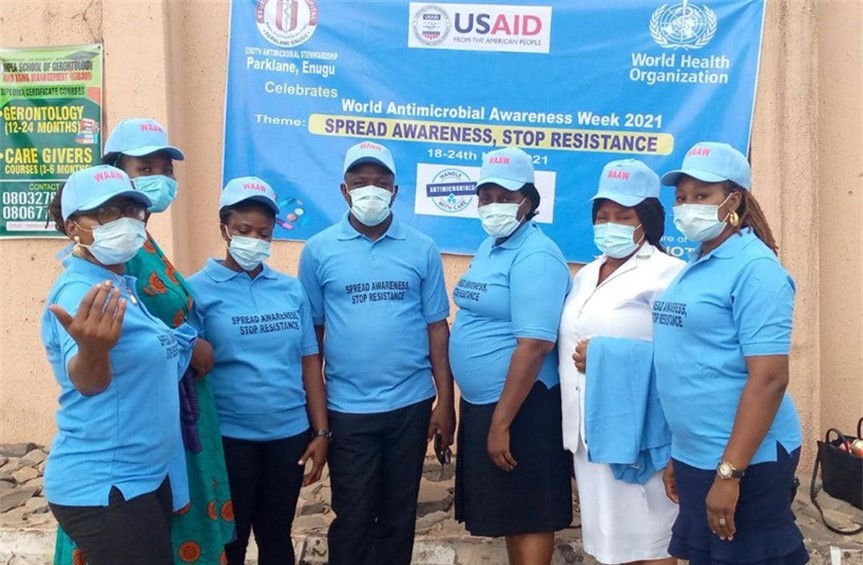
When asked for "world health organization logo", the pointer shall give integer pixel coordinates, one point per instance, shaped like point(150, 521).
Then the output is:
point(431, 25)
point(683, 26)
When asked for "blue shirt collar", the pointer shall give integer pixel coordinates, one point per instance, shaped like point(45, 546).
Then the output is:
point(729, 249)
point(92, 270)
point(347, 231)
point(217, 271)
point(518, 237)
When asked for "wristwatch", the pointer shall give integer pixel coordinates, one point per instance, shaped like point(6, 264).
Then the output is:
point(726, 470)
point(323, 433)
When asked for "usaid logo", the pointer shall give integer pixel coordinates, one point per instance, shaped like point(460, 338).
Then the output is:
point(480, 27)
point(431, 25)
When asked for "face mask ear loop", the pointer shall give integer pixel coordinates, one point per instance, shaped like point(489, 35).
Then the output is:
point(728, 215)
point(643, 234)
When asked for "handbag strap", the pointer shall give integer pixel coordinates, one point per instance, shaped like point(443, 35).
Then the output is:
point(860, 428)
point(813, 492)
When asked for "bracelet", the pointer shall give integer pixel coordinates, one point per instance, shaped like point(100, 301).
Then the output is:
point(325, 433)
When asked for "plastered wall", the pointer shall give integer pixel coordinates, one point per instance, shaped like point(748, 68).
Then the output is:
point(167, 60)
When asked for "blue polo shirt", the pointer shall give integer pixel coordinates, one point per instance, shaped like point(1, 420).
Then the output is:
point(376, 300)
point(260, 330)
point(735, 302)
point(510, 291)
point(126, 435)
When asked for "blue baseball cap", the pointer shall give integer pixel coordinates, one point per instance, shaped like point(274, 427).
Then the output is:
point(89, 188)
point(710, 161)
point(138, 137)
point(248, 188)
point(627, 182)
point(509, 167)
point(369, 152)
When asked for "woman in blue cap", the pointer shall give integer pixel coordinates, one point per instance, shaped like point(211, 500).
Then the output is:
point(267, 378)
point(512, 473)
point(201, 528)
point(106, 478)
point(722, 334)
point(624, 519)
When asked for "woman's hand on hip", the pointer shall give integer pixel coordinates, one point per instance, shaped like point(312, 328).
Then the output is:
point(580, 356)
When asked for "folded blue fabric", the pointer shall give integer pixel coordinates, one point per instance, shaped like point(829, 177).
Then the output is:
point(624, 422)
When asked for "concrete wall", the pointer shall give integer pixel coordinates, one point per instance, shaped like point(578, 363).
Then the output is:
point(167, 60)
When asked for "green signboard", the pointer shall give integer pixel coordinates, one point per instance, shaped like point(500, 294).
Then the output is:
point(50, 125)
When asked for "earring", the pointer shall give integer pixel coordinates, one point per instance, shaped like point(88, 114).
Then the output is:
point(77, 249)
point(734, 219)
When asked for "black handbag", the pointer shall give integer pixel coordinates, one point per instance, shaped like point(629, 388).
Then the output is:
point(841, 473)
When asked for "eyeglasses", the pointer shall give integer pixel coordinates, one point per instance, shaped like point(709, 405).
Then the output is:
point(109, 213)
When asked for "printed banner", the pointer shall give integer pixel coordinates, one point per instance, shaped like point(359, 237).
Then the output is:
point(575, 83)
point(50, 122)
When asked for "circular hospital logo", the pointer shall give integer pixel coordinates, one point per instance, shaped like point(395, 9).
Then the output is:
point(431, 25)
point(451, 190)
point(287, 23)
point(683, 25)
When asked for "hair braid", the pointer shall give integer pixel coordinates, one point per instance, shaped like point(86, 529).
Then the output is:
point(751, 216)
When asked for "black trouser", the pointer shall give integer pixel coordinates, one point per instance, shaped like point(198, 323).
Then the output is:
point(265, 484)
point(126, 532)
point(376, 463)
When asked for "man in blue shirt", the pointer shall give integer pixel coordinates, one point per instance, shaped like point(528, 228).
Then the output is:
point(380, 310)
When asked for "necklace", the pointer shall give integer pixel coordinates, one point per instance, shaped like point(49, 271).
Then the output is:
point(120, 282)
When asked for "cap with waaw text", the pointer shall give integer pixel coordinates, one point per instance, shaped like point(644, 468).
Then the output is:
point(710, 161)
point(628, 182)
point(89, 188)
point(509, 167)
point(248, 188)
point(138, 137)
point(369, 152)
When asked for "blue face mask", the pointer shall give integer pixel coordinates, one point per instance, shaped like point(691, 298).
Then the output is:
point(615, 240)
point(160, 189)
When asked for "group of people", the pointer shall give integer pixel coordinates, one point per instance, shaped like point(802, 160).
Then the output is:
point(192, 411)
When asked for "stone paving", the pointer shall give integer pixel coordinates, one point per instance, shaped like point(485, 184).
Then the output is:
point(27, 526)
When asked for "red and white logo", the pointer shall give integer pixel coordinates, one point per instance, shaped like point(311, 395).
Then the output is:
point(287, 23)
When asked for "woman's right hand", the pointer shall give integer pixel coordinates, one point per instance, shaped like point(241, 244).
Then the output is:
point(580, 356)
point(97, 324)
point(670, 484)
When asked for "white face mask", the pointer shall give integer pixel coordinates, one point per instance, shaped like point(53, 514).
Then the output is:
point(615, 240)
point(499, 219)
point(370, 204)
point(160, 189)
point(699, 222)
point(118, 241)
point(248, 252)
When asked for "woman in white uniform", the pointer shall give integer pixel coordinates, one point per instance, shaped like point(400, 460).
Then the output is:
point(612, 297)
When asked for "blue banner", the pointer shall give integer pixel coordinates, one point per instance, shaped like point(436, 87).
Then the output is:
point(575, 83)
